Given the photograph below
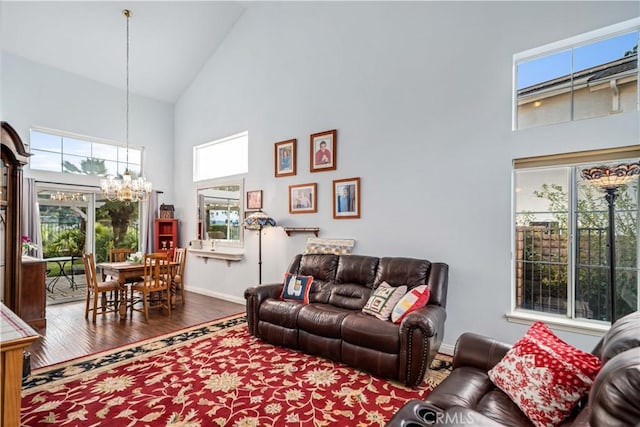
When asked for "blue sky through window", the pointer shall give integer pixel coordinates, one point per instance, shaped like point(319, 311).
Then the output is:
point(559, 64)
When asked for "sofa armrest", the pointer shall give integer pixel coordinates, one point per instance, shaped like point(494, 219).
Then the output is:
point(254, 296)
point(430, 319)
point(478, 351)
point(421, 333)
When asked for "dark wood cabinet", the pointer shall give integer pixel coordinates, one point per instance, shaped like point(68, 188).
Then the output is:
point(33, 298)
point(166, 234)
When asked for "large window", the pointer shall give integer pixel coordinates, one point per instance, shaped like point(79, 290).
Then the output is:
point(560, 239)
point(59, 152)
point(223, 157)
point(591, 75)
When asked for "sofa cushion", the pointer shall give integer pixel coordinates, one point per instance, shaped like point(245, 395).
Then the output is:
point(412, 300)
point(322, 319)
point(349, 295)
point(357, 269)
point(545, 376)
point(398, 271)
point(283, 313)
point(323, 270)
point(296, 287)
point(365, 331)
point(383, 299)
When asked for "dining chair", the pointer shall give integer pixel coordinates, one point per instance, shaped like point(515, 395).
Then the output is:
point(179, 257)
point(156, 280)
point(108, 291)
point(119, 254)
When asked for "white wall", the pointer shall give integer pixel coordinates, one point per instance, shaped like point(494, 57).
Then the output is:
point(420, 94)
point(37, 95)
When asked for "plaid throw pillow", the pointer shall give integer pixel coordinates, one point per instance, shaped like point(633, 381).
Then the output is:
point(383, 299)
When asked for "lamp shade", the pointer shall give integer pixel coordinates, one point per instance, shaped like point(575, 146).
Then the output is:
point(610, 177)
point(258, 220)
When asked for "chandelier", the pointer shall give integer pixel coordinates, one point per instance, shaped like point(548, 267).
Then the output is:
point(68, 197)
point(126, 189)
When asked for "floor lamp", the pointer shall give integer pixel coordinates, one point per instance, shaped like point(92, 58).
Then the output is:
point(609, 179)
point(258, 221)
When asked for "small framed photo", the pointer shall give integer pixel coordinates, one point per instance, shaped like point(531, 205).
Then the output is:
point(346, 198)
point(323, 151)
point(285, 158)
point(302, 198)
point(254, 200)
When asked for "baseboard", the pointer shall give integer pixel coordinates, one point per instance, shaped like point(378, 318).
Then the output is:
point(219, 295)
point(447, 349)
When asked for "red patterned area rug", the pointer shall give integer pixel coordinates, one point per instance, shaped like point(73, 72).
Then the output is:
point(213, 375)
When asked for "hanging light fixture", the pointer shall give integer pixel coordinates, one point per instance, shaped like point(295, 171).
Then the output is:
point(126, 189)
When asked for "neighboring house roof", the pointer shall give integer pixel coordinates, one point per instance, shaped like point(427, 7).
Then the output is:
point(625, 65)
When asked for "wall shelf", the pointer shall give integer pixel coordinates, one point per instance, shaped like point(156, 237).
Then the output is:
point(227, 255)
point(289, 230)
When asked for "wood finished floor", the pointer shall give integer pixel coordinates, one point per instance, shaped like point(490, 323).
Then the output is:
point(68, 335)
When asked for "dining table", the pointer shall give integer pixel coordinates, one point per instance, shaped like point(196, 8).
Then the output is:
point(124, 272)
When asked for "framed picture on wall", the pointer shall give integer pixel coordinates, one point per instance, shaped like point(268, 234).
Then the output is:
point(302, 198)
point(254, 200)
point(323, 151)
point(346, 198)
point(285, 158)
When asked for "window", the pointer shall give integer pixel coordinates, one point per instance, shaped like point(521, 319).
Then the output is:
point(66, 153)
point(591, 75)
point(560, 238)
point(223, 157)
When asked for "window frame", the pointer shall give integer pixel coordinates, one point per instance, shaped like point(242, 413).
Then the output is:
point(90, 140)
point(211, 147)
point(577, 41)
point(570, 160)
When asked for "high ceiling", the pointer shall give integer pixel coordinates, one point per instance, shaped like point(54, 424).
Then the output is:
point(170, 41)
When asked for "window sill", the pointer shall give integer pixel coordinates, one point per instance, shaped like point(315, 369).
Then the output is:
point(585, 327)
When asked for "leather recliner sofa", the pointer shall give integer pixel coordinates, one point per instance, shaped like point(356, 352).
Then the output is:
point(333, 326)
point(468, 397)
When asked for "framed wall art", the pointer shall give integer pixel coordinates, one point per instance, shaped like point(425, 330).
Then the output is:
point(254, 200)
point(285, 158)
point(302, 198)
point(346, 198)
point(323, 151)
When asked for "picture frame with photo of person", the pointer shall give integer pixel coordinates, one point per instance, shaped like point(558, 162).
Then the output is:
point(285, 158)
point(303, 198)
point(322, 151)
point(346, 198)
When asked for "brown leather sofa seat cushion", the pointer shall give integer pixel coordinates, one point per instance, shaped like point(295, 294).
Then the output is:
point(283, 313)
point(322, 319)
point(367, 331)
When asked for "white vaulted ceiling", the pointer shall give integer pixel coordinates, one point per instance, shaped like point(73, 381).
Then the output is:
point(169, 40)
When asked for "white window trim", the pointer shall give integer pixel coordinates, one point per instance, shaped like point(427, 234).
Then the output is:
point(528, 317)
point(566, 44)
point(196, 172)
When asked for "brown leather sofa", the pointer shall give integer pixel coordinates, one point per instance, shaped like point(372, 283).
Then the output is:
point(333, 326)
point(468, 397)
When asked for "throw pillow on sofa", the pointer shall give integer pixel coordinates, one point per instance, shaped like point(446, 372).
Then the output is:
point(296, 288)
point(383, 299)
point(545, 376)
point(412, 300)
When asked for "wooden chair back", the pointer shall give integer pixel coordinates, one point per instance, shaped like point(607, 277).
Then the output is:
point(108, 291)
point(180, 257)
point(157, 273)
point(119, 254)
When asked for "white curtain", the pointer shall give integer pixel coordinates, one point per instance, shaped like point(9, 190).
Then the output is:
point(149, 214)
point(31, 215)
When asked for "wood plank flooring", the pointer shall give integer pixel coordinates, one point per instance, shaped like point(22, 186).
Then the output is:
point(68, 335)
